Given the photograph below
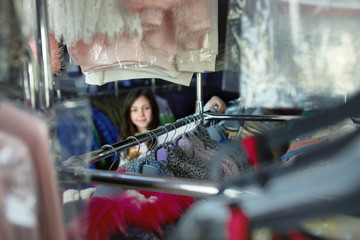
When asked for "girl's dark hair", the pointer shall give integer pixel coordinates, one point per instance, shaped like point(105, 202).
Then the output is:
point(127, 127)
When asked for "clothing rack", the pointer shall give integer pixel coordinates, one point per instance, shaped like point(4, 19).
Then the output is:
point(70, 170)
point(73, 170)
point(109, 150)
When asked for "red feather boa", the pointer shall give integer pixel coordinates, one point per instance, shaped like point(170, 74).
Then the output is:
point(143, 209)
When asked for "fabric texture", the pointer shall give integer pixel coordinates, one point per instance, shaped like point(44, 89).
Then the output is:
point(144, 210)
point(196, 149)
point(184, 166)
point(83, 19)
point(178, 38)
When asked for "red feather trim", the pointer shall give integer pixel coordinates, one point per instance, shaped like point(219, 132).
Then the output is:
point(147, 210)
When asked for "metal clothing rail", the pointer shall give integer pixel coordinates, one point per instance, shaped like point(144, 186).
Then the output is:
point(248, 117)
point(181, 186)
point(109, 150)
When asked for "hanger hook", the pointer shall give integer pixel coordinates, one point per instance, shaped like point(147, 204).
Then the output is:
point(134, 157)
point(174, 129)
point(167, 132)
point(190, 119)
point(186, 123)
point(152, 139)
point(155, 139)
point(113, 150)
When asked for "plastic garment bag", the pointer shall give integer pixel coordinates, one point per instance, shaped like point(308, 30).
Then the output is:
point(289, 54)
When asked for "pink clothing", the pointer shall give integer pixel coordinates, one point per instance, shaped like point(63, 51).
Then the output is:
point(140, 5)
point(167, 28)
point(156, 48)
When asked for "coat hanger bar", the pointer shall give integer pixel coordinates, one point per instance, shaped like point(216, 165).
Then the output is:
point(97, 155)
point(172, 185)
point(249, 117)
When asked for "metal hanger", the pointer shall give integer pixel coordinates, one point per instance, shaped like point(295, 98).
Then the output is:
point(114, 151)
point(135, 155)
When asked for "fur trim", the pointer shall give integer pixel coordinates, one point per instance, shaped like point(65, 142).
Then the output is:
point(143, 209)
point(56, 53)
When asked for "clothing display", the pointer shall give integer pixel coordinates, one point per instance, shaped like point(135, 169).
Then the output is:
point(169, 41)
point(282, 162)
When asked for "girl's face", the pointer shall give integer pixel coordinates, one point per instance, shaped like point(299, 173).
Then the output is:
point(141, 114)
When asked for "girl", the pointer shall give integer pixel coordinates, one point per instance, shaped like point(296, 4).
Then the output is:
point(140, 113)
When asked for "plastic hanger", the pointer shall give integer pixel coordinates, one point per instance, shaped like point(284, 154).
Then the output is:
point(161, 151)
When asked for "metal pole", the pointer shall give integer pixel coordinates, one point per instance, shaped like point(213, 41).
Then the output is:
point(41, 37)
point(181, 186)
point(199, 102)
point(94, 156)
point(248, 117)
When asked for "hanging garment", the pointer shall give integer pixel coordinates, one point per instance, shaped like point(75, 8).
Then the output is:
point(148, 212)
point(73, 130)
point(179, 27)
point(195, 148)
point(203, 59)
point(136, 165)
point(111, 106)
point(132, 154)
point(81, 20)
point(100, 77)
point(165, 113)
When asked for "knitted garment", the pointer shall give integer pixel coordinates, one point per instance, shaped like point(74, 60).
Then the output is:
point(184, 166)
point(201, 132)
point(136, 165)
point(196, 149)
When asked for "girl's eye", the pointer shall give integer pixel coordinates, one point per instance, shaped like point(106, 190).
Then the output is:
point(133, 110)
point(147, 108)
